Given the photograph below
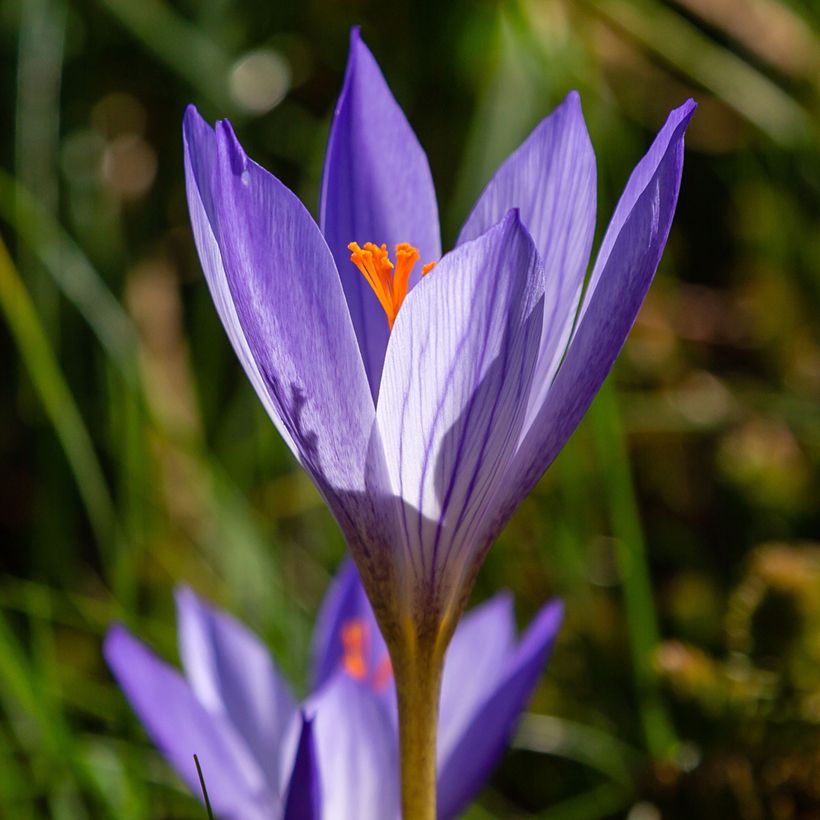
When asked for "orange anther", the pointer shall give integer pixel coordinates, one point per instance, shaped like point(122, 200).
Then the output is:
point(389, 283)
point(354, 644)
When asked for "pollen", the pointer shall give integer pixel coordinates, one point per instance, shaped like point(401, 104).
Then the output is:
point(354, 645)
point(390, 282)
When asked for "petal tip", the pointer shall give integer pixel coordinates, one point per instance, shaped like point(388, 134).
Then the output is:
point(554, 612)
point(113, 637)
point(512, 219)
point(194, 126)
point(117, 646)
point(191, 114)
point(229, 144)
point(572, 99)
point(185, 597)
point(683, 114)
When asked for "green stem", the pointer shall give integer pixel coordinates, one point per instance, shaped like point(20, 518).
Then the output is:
point(418, 685)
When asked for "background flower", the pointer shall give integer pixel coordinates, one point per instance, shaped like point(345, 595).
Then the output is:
point(257, 748)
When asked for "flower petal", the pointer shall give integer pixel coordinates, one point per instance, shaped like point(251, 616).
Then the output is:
point(457, 372)
point(303, 793)
point(180, 726)
point(346, 601)
point(278, 294)
point(232, 674)
point(661, 167)
point(200, 163)
point(476, 658)
point(627, 263)
point(377, 188)
point(551, 179)
point(357, 750)
point(464, 771)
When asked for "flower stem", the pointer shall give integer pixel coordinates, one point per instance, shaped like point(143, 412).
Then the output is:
point(418, 685)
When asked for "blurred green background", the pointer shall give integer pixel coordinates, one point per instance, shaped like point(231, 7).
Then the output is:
point(681, 524)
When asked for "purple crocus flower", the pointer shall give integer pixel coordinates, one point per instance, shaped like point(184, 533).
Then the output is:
point(425, 408)
point(335, 757)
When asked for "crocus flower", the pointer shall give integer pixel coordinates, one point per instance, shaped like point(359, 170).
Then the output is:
point(425, 407)
point(335, 757)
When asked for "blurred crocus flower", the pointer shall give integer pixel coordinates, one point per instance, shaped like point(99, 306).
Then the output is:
point(425, 407)
point(335, 756)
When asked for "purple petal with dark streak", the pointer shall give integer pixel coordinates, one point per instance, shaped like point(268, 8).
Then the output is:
point(457, 372)
point(277, 291)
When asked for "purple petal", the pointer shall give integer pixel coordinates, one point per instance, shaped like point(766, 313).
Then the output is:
point(232, 674)
point(278, 294)
point(628, 260)
point(345, 602)
point(339, 605)
point(465, 770)
point(377, 188)
point(476, 658)
point(200, 163)
point(180, 726)
point(456, 377)
point(303, 794)
point(358, 752)
point(660, 167)
point(550, 178)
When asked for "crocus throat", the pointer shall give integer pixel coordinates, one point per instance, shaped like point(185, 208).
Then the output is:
point(389, 282)
point(356, 656)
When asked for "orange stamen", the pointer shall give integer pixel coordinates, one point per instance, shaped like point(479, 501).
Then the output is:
point(354, 640)
point(389, 283)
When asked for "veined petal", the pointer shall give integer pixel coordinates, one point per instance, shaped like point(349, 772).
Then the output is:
point(181, 726)
point(345, 603)
point(277, 291)
point(475, 660)
point(467, 767)
point(278, 294)
point(357, 751)
point(551, 179)
point(232, 674)
point(200, 165)
point(650, 171)
point(457, 373)
point(627, 263)
point(303, 792)
point(377, 187)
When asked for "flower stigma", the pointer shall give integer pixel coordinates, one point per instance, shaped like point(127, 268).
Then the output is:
point(389, 282)
point(356, 651)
